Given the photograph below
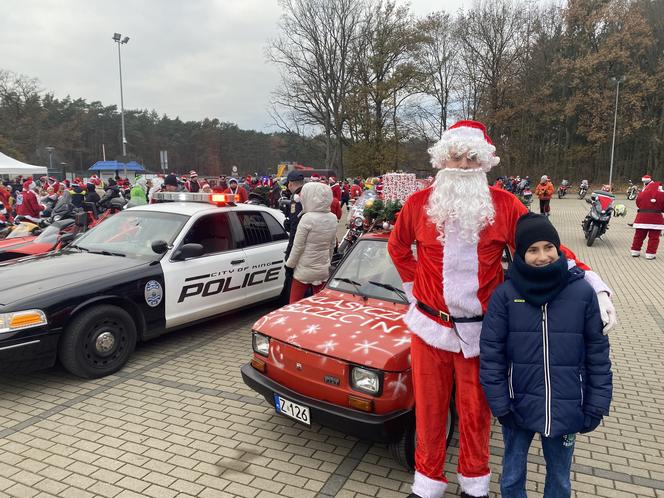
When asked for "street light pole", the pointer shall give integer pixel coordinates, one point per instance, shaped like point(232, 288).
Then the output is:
point(117, 37)
point(615, 121)
point(50, 150)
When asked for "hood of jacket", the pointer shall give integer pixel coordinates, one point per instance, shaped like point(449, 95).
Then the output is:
point(316, 197)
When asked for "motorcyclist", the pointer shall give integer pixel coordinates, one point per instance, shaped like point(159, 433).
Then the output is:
point(27, 204)
point(112, 191)
point(91, 194)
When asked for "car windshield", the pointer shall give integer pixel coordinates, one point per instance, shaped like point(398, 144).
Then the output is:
point(131, 233)
point(368, 270)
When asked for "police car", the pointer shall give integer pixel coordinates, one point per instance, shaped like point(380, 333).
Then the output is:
point(141, 273)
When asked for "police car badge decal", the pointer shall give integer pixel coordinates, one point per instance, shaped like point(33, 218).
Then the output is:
point(153, 293)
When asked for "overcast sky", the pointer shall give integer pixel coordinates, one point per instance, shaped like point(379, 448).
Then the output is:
point(193, 59)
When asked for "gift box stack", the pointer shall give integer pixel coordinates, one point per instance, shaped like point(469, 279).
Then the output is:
point(398, 186)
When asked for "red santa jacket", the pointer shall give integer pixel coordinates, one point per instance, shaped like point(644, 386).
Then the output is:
point(244, 195)
point(650, 204)
point(335, 208)
point(336, 191)
point(456, 277)
point(27, 204)
point(355, 191)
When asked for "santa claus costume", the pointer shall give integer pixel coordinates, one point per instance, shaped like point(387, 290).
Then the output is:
point(649, 220)
point(460, 226)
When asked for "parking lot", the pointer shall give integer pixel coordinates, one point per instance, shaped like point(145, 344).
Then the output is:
point(179, 421)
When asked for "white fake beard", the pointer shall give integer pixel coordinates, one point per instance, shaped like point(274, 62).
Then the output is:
point(460, 202)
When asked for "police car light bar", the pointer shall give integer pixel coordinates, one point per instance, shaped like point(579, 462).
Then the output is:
point(228, 199)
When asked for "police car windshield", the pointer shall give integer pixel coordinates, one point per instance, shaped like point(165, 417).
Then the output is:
point(131, 233)
point(368, 270)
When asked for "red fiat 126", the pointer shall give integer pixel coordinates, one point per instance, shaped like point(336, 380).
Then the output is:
point(341, 358)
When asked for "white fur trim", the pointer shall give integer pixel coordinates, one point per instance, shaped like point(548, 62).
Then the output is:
point(430, 331)
point(460, 276)
point(408, 289)
point(475, 486)
point(470, 333)
point(650, 256)
point(428, 488)
point(647, 226)
point(597, 283)
point(464, 137)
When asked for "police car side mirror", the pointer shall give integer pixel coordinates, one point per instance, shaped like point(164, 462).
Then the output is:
point(189, 251)
point(159, 246)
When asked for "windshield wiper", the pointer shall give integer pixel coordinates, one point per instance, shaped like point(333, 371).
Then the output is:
point(80, 248)
point(392, 288)
point(352, 282)
point(106, 253)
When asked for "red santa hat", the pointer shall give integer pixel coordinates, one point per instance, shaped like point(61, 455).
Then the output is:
point(315, 178)
point(465, 136)
point(193, 174)
point(29, 184)
point(646, 179)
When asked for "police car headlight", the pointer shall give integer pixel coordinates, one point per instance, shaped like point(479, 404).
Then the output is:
point(19, 320)
point(260, 343)
point(362, 379)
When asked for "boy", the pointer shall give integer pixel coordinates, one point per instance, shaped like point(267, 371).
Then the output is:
point(544, 362)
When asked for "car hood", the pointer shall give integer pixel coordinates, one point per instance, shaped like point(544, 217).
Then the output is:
point(35, 275)
point(346, 327)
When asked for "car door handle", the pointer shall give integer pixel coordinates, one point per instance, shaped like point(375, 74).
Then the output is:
point(237, 261)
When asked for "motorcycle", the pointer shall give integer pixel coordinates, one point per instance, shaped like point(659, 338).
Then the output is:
point(583, 189)
point(562, 190)
point(632, 191)
point(355, 230)
point(596, 222)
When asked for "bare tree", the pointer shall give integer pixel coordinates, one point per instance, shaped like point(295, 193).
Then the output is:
point(312, 52)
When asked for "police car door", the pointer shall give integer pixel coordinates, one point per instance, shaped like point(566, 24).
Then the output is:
point(209, 284)
point(265, 242)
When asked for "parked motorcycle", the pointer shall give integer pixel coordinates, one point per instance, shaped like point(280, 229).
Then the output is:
point(562, 190)
point(583, 189)
point(632, 191)
point(596, 222)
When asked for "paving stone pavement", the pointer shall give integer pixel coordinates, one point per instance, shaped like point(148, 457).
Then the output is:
point(178, 420)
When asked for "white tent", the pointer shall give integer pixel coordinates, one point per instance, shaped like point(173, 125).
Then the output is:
point(10, 166)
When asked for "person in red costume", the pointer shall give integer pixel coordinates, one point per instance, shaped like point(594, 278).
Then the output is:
point(336, 188)
point(27, 204)
point(234, 188)
point(649, 220)
point(460, 226)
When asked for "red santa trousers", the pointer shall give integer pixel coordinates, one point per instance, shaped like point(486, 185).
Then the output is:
point(436, 373)
point(653, 240)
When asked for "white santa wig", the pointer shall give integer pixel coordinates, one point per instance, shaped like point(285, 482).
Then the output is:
point(462, 137)
point(460, 200)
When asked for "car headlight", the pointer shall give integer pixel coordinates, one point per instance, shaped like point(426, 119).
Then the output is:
point(260, 343)
point(19, 320)
point(368, 381)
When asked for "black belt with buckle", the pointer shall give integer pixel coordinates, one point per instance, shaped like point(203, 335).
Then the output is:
point(649, 211)
point(446, 316)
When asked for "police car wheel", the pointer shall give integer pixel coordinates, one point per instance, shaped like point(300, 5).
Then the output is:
point(98, 342)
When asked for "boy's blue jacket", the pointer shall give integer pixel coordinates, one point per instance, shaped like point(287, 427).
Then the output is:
point(549, 365)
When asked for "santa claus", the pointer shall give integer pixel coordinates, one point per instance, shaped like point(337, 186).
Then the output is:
point(460, 226)
point(649, 220)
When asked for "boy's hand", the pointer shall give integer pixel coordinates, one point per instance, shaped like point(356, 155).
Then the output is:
point(607, 311)
point(508, 420)
point(590, 423)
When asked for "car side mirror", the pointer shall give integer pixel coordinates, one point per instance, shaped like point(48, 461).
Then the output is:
point(189, 251)
point(159, 246)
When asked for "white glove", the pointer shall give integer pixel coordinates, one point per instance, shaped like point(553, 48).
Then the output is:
point(607, 311)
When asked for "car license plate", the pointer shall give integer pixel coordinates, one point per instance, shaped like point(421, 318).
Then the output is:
point(292, 410)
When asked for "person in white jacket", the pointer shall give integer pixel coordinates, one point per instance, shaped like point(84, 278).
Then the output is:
point(314, 242)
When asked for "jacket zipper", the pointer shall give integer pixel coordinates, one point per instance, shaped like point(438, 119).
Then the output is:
point(581, 385)
point(509, 380)
point(547, 372)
